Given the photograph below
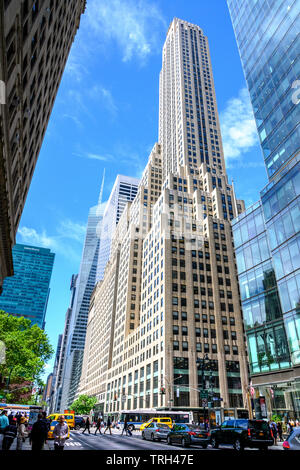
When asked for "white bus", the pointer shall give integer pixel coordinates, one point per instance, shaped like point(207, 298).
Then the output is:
point(136, 418)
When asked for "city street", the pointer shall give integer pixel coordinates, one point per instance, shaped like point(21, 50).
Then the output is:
point(79, 441)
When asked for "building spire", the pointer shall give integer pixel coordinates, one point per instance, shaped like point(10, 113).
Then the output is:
point(101, 190)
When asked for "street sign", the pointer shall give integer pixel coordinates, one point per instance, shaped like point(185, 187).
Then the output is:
point(204, 394)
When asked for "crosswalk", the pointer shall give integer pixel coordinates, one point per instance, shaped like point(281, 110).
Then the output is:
point(71, 443)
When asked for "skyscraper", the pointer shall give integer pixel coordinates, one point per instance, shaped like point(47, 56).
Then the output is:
point(123, 191)
point(266, 236)
point(85, 284)
point(36, 37)
point(167, 314)
point(26, 292)
point(55, 404)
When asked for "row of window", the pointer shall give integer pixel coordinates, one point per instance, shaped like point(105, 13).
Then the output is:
point(207, 348)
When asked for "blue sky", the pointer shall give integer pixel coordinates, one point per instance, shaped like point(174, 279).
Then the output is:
point(106, 115)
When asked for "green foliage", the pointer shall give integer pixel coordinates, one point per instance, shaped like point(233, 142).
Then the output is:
point(27, 350)
point(83, 405)
point(276, 418)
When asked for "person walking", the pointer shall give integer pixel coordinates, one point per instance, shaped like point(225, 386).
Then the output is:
point(60, 434)
point(39, 434)
point(98, 425)
point(108, 425)
point(87, 425)
point(275, 432)
point(10, 433)
point(21, 433)
point(279, 429)
point(125, 427)
point(3, 424)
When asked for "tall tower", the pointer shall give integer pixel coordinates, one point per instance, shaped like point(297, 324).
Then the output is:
point(189, 130)
point(168, 308)
point(85, 284)
point(267, 235)
point(26, 293)
point(124, 190)
point(36, 37)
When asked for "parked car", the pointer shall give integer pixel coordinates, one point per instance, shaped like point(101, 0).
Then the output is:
point(292, 442)
point(242, 433)
point(188, 434)
point(155, 431)
point(79, 422)
point(164, 420)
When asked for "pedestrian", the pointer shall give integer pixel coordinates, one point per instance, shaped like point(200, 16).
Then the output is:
point(275, 433)
point(98, 425)
point(279, 429)
point(9, 435)
point(125, 427)
point(108, 425)
point(45, 420)
point(3, 424)
point(39, 434)
point(21, 433)
point(60, 434)
point(87, 425)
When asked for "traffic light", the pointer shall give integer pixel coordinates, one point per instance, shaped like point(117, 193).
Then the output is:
point(162, 390)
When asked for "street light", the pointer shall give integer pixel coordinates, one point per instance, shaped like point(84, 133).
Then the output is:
point(170, 388)
point(205, 364)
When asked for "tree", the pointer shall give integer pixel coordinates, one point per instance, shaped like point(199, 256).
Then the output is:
point(83, 405)
point(27, 348)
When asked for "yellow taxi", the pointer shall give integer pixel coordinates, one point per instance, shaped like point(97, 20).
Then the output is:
point(69, 418)
point(52, 426)
point(162, 420)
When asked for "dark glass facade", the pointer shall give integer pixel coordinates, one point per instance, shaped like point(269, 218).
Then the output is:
point(267, 235)
point(26, 293)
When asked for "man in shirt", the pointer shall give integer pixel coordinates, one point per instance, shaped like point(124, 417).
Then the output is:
point(3, 424)
point(60, 434)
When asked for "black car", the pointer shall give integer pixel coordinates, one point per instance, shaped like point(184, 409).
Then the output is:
point(79, 422)
point(242, 433)
point(188, 434)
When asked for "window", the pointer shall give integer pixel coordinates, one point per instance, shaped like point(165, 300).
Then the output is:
point(175, 315)
point(175, 329)
point(175, 345)
point(185, 346)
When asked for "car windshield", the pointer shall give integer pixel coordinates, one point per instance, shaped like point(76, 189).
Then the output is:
point(259, 425)
point(54, 423)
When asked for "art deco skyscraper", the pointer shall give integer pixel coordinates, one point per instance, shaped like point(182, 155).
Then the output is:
point(170, 295)
point(36, 37)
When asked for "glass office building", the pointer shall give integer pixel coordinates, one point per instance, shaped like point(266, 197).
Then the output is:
point(267, 235)
point(25, 294)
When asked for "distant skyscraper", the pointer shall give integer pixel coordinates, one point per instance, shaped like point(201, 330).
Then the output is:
point(36, 37)
point(124, 191)
point(85, 284)
point(26, 293)
point(267, 235)
point(57, 392)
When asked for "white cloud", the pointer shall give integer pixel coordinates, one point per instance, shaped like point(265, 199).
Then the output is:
point(239, 133)
point(67, 240)
point(95, 156)
point(132, 24)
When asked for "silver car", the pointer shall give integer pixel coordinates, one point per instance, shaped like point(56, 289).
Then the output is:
point(292, 442)
point(155, 431)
